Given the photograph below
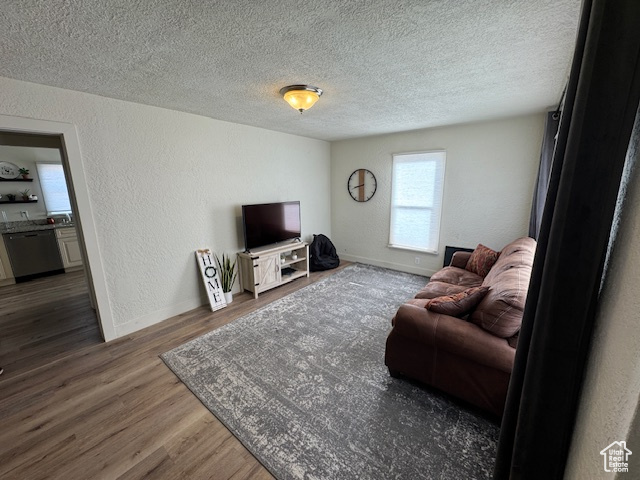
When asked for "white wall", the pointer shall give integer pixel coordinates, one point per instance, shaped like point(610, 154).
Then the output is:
point(26, 157)
point(164, 183)
point(489, 179)
point(611, 392)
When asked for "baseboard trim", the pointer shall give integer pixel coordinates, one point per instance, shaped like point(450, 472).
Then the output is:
point(74, 269)
point(166, 313)
point(393, 266)
point(157, 316)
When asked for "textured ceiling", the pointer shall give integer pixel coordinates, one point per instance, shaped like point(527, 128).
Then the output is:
point(384, 65)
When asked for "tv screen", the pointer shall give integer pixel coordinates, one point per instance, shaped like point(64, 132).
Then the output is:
point(269, 223)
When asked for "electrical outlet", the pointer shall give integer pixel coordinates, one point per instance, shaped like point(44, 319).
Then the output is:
point(417, 260)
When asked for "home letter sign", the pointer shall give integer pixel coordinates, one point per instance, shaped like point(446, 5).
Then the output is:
point(210, 278)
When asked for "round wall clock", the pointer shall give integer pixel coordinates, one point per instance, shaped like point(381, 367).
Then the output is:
point(362, 185)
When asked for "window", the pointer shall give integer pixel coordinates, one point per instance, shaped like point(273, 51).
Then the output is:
point(416, 200)
point(54, 188)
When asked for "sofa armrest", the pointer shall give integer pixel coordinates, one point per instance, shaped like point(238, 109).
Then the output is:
point(455, 336)
point(460, 259)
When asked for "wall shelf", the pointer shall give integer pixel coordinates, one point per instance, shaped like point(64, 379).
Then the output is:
point(19, 201)
point(16, 179)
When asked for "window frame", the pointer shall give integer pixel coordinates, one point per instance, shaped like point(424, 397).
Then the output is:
point(438, 197)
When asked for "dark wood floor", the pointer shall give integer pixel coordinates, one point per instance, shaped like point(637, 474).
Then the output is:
point(43, 320)
point(85, 409)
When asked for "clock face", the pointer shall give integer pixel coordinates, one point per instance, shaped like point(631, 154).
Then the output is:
point(362, 185)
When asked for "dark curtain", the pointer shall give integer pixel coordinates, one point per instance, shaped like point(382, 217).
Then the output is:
point(544, 171)
point(601, 101)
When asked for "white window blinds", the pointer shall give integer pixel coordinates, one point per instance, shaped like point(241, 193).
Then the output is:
point(54, 188)
point(416, 200)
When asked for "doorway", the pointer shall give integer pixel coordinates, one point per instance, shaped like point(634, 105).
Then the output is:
point(43, 319)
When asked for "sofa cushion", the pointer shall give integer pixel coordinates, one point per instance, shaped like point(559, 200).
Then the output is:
point(500, 311)
point(439, 289)
point(459, 304)
point(481, 260)
point(457, 276)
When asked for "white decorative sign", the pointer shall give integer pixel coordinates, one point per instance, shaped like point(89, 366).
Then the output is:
point(210, 278)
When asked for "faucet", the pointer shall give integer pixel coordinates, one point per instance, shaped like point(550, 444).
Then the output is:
point(68, 218)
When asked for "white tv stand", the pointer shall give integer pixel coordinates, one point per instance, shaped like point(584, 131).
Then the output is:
point(262, 268)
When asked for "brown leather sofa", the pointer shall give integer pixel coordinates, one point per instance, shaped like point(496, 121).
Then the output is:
point(472, 357)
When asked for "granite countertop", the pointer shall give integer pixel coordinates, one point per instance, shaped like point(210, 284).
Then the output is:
point(31, 226)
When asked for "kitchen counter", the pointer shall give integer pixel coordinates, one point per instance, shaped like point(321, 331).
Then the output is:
point(31, 226)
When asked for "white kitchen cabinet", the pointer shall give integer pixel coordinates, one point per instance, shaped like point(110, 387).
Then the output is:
point(69, 247)
point(6, 274)
point(268, 267)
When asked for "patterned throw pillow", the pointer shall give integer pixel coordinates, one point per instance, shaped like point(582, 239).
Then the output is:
point(481, 260)
point(459, 304)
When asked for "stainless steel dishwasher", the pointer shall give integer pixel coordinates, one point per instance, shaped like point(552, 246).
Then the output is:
point(32, 253)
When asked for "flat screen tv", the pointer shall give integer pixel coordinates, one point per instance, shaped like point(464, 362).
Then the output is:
point(269, 223)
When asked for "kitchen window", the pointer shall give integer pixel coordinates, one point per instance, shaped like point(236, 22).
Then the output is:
point(416, 200)
point(54, 188)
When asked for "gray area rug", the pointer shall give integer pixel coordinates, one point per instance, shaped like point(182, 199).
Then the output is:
point(302, 384)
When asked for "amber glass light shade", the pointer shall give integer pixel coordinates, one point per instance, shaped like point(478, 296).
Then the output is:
point(301, 97)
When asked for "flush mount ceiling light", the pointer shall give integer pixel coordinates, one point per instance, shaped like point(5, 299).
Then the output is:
point(301, 97)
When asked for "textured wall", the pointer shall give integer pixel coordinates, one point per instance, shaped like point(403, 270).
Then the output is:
point(26, 157)
point(164, 183)
point(489, 178)
point(611, 392)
